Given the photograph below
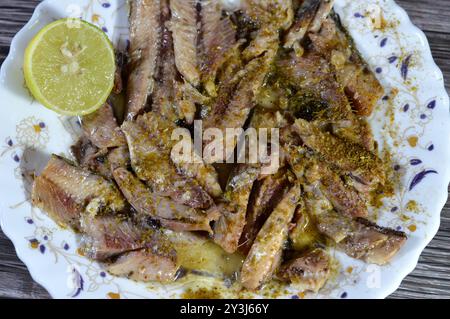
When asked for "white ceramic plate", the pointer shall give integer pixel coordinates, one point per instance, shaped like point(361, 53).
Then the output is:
point(412, 120)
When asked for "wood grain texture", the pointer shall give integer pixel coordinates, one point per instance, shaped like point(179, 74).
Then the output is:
point(430, 279)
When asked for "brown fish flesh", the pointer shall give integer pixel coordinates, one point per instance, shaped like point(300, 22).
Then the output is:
point(307, 272)
point(65, 192)
point(155, 168)
point(265, 253)
point(146, 266)
point(145, 30)
point(101, 128)
point(170, 214)
point(185, 33)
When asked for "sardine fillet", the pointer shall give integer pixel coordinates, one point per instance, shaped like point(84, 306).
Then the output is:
point(184, 32)
point(65, 192)
point(144, 47)
point(264, 255)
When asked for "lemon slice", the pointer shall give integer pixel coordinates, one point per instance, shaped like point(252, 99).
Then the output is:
point(69, 67)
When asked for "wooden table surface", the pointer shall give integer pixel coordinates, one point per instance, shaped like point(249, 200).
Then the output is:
point(431, 278)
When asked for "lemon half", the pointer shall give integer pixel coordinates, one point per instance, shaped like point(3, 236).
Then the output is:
point(69, 67)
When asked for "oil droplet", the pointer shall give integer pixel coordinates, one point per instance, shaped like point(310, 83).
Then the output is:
point(412, 228)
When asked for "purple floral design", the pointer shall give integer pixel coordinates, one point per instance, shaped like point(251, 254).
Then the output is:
point(419, 177)
point(404, 69)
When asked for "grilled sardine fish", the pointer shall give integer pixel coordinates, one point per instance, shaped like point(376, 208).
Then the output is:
point(162, 130)
point(146, 265)
point(307, 272)
point(360, 84)
point(228, 229)
point(360, 238)
point(350, 158)
point(170, 214)
point(145, 32)
point(265, 255)
point(101, 128)
point(155, 168)
point(65, 192)
point(185, 34)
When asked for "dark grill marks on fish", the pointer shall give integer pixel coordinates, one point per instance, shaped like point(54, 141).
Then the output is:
point(65, 192)
point(145, 29)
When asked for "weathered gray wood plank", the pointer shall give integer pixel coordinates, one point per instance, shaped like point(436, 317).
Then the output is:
point(431, 278)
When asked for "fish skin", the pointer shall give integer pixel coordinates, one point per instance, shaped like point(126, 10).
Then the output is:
point(101, 128)
point(106, 236)
point(185, 32)
point(350, 158)
point(145, 40)
point(266, 195)
point(166, 76)
point(170, 214)
point(217, 42)
point(229, 227)
point(146, 265)
point(307, 272)
point(264, 255)
point(233, 106)
point(361, 239)
point(360, 84)
point(65, 192)
point(155, 168)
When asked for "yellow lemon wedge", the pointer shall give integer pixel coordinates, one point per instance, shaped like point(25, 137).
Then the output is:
point(69, 67)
